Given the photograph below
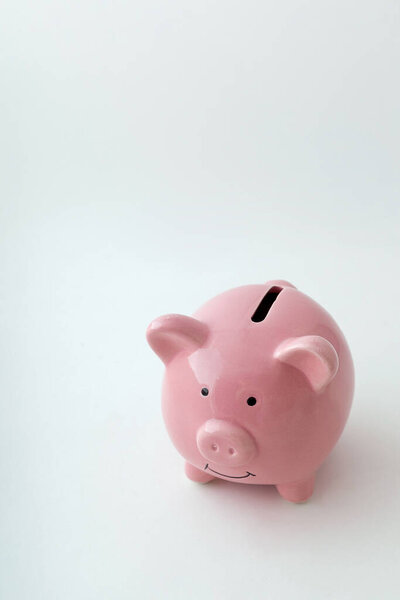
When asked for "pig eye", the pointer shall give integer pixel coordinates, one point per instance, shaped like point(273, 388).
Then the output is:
point(251, 401)
point(204, 391)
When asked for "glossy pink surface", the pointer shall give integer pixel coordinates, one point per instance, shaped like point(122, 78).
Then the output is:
point(254, 396)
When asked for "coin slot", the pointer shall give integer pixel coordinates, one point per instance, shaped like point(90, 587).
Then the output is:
point(265, 305)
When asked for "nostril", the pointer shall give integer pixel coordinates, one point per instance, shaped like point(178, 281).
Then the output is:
point(231, 451)
point(214, 447)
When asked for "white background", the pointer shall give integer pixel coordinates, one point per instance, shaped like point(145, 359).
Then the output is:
point(154, 154)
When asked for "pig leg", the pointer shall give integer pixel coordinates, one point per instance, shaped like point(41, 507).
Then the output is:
point(196, 474)
point(298, 491)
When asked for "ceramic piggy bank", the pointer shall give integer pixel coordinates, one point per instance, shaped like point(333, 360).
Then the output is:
point(258, 387)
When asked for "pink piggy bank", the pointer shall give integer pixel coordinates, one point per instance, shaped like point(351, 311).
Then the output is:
point(258, 387)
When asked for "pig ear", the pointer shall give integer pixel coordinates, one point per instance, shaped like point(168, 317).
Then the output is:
point(313, 355)
point(170, 334)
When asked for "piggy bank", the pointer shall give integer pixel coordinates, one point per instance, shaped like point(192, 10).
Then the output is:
point(258, 386)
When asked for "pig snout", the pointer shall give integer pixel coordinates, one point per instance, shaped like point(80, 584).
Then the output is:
point(225, 443)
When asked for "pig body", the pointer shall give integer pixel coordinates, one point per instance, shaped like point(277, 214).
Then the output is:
point(258, 386)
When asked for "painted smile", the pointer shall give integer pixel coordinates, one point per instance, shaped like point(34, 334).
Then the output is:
point(248, 474)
